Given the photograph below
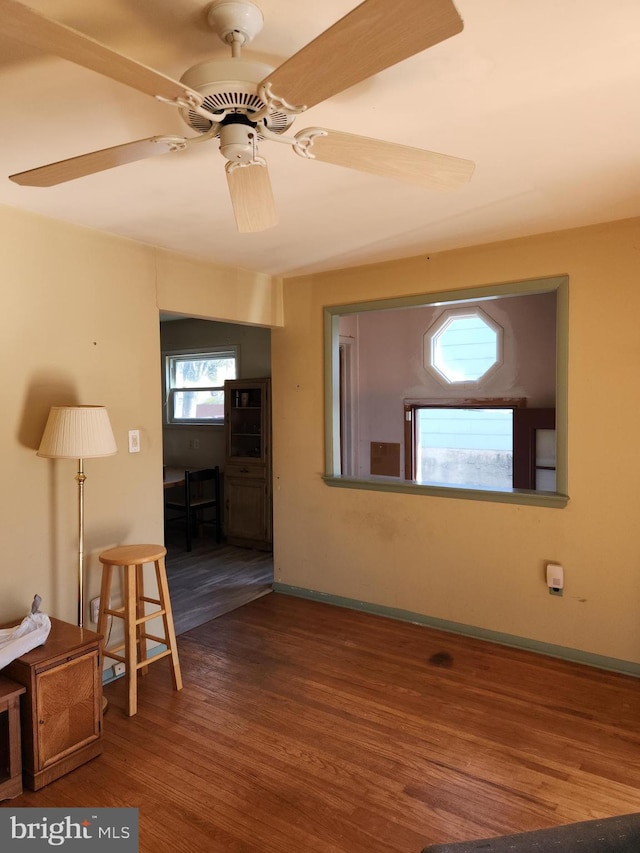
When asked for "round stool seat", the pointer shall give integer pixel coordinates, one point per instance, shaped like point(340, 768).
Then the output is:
point(132, 555)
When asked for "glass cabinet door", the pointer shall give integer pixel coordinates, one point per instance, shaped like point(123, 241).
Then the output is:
point(246, 438)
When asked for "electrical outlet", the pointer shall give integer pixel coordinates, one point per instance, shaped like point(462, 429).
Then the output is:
point(95, 609)
point(555, 578)
point(118, 669)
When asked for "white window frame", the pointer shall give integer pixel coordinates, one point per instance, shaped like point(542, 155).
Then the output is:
point(440, 325)
point(170, 358)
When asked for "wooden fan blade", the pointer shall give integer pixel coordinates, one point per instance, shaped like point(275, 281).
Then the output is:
point(88, 164)
point(390, 160)
point(252, 197)
point(372, 37)
point(30, 27)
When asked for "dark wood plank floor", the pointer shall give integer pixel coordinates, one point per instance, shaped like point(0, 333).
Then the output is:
point(212, 579)
point(306, 727)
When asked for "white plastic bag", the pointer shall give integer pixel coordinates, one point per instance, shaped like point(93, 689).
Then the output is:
point(31, 632)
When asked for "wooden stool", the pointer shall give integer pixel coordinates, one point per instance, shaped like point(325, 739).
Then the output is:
point(10, 749)
point(132, 558)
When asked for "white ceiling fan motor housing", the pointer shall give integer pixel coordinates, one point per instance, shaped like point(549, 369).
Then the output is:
point(230, 84)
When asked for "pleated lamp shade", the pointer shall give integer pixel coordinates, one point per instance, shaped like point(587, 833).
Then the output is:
point(77, 432)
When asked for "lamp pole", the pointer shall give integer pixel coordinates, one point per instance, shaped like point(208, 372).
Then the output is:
point(80, 477)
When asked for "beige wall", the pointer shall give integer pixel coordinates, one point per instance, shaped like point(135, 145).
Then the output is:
point(469, 562)
point(79, 324)
point(199, 289)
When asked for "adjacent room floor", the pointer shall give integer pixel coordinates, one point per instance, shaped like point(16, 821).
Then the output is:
point(213, 578)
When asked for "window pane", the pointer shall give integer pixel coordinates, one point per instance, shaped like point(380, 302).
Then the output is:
point(195, 385)
point(465, 447)
point(196, 371)
point(465, 349)
point(198, 405)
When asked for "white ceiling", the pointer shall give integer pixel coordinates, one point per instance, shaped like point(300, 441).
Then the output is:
point(542, 94)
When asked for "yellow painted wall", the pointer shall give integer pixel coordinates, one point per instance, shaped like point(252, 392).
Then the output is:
point(79, 324)
point(479, 564)
point(198, 289)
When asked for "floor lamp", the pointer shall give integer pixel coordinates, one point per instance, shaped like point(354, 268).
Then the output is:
point(78, 432)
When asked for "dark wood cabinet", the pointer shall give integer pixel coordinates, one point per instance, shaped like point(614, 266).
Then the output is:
point(247, 473)
point(61, 711)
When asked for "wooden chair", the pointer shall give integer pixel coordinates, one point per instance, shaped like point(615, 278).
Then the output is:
point(201, 492)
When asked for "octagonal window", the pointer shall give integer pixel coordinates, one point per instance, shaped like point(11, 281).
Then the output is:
point(463, 345)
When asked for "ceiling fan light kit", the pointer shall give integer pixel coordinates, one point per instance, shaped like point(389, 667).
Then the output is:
point(244, 102)
point(239, 142)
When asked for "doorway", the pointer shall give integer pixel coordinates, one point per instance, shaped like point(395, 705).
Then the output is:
point(212, 578)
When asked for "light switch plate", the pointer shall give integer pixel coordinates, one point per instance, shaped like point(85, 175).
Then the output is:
point(134, 441)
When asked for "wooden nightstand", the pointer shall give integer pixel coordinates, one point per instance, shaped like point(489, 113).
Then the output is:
point(61, 711)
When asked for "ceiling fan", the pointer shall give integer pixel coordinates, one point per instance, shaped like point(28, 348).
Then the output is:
point(245, 103)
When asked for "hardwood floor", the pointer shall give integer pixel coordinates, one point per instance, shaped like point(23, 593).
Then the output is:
point(307, 727)
point(212, 579)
